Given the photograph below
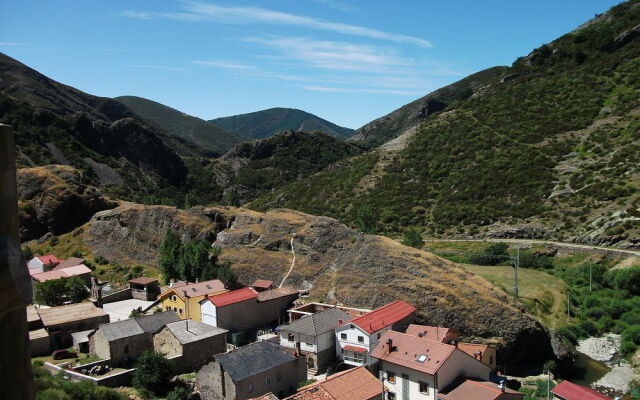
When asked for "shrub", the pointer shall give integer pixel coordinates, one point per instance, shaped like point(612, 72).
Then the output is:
point(101, 260)
point(153, 372)
point(628, 279)
point(413, 239)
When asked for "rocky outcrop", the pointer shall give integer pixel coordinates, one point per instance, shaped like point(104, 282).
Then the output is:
point(55, 199)
point(333, 262)
point(516, 231)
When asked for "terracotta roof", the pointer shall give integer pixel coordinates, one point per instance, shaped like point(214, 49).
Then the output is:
point(62, 273)
point(205, 288)
point(143, 280)
point(268, 396)
point(570, 391)
point(72, 312)
point(49, 259)
point(69, 262)
point(409, 349)
point(232, 297)
point(352, 384)
point(477, 390)
point(355, 348)
point(384, 316)
point(437, 333)
point(471, 348)
point(276, 293)
point(262, 284)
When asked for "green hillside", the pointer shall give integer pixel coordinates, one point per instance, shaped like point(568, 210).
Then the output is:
point(209, 136)
point(554, 140)
point(262, 124)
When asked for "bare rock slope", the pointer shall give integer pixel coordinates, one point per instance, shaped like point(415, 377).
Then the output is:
point(335, 263)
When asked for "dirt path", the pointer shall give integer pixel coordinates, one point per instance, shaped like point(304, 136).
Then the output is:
point(293, 251)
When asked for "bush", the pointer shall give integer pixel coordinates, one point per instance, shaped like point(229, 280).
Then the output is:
point(530, 260)
point(101, 260)
point(153, 372)
point(628, 279)
point(179, 393)
point(413, 239)
point(492, 255)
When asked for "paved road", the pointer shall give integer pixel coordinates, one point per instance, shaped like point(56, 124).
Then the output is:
point(549, 242)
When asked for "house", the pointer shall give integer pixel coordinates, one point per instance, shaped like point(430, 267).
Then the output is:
point(483, 352)
point(62, 321)
point(251, 371)
point(81, 340)
point(260, 285)
point(190, 344)
point(314, 336)
point(143, 288)
point(312, 308)
point(69, 262)
point(357, 338)
point(81, 271)
point(413, 367)
point(437, 333)
point(42, 263)
point(245, 309)
point(39, 342)
point(352, 384)
point(465, 389)
point(127, 339)
point(566, 390)
point(33, 318)
point(184, 297)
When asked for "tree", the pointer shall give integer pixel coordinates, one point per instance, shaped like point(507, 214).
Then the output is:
point(170, 255)
point(56, 291)
point(194, 257)
point(365, 219)
point(27, 253)
point(628, 279)
point(153, 372)
point(413, 239)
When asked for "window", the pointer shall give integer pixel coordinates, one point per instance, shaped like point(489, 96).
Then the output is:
point(391, 377)
point(424, 387)
point(391, 395)
point(180, 310)
point(343, 336)
point(290, 337)
point(422, 358)
point(250, 388)
point(360, 339)
point(354, 356)
point(268, 380)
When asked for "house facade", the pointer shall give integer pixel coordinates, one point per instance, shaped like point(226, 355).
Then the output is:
point(184, 298)
point(352, 384)
point(61, 322)
point(413, 367)
point(356, 339)
point(314, 336)
point(251, 371)
point(40, 264)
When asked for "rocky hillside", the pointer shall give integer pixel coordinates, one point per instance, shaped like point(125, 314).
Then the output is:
point(411, 115)
point(205, 134)
point(262, 124)
point(56, 199)
point(335, 263)
point(550, 148)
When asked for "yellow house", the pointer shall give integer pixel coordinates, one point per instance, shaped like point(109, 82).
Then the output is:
point(184, 297)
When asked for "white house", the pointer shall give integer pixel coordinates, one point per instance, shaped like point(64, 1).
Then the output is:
point(41, 264)
point(234, 310)
point(357, 338)
point(418, 368)
point(314, 336)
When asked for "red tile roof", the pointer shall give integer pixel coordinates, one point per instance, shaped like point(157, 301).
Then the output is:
point(384, 316)
point(437, 333)
point(471, 348)
point(232, 297)
point(407, 350)
point(187, 290)
point(478, 390)
point(355, 348)
point(49, 259)
point(571, 391)
point(352, 384)
point(62, 273)
point(262, 284)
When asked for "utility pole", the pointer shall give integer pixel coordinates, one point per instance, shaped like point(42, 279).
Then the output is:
point(590, 266)
point(548, 384)
point(515, 263)
point(568, 305)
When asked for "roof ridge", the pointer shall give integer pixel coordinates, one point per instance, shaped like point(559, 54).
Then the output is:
point(484, 386)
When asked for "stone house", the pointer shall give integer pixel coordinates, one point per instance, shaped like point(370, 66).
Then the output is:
point(143, 288)
point(260, 285)
point(414, 367)
point(184, 297)
point(251, 371)
point(356, 339)
point(125, 340)
point(190, 344)
point(314, 336)
point(61, 322)
point(39, 342)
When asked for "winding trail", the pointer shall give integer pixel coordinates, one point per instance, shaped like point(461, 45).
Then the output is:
point(293, 251)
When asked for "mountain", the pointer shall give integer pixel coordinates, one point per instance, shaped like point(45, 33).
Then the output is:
point(333, 262)
point(549, 148)
point(262, 124)
point(209, 136)
point(411, 115)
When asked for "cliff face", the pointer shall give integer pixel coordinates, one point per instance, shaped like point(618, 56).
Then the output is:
point(335, 263)
point(55, 199)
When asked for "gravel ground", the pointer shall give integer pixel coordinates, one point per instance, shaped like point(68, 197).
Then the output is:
point(618, 378)
point(603, 349)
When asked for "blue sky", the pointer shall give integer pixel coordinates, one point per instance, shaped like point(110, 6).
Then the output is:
point(346, 61)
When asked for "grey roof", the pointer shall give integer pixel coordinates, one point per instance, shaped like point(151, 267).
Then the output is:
point(317, 323)
point(137, 326)
point(82, 336)
point(253, 359)
point(188, 330)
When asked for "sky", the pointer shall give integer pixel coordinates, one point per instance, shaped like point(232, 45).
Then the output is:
point(346, 61)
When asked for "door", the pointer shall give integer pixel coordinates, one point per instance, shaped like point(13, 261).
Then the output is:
point(405, 387)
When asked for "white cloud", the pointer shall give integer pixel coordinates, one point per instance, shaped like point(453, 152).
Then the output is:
point(157, 67)
point(362, 90)
point(225, 65)
point(197, 11)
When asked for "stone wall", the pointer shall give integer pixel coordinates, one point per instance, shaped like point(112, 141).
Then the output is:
point(124, 294)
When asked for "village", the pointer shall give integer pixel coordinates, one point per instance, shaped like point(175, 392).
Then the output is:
point(263, 341)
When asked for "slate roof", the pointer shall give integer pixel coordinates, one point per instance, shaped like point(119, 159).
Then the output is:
point(317, 323)
point(137, 326)
point(72, 312)
point(82, 336)
point(384, 316)
point(188, 330)
point(437, 333)
point(253, 359)
point(570, 391)
point(205, 288)
point(69, 262)
point(277, 293)
point(352, 384)
point(477, 390)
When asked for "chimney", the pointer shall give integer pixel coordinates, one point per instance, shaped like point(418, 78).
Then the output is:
point(339, 322)
point(454, 343)
point(501, 386)
point(390, 345)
